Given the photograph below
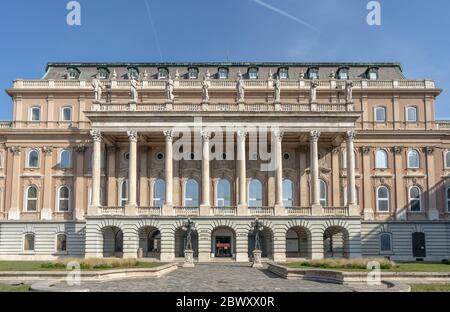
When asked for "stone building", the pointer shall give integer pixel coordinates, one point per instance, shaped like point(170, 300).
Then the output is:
point(335, 159)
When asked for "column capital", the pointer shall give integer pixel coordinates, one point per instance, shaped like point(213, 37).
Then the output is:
point(168, 134)
point(96, 135)
point(350, 135)
point(206, 136)
point(278, 134)
point(47, 150)
point(314, 135)
point(365, 150)
point(429, 150)
point(80, 148)
point(241, 134)
point(132, 135)
point(397, 150)
point(15, 150)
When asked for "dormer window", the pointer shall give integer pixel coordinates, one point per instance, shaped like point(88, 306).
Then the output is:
point(133, 72)
point(193, 73)
point(163, 73)
point(283, 73)
point(342, 73)
point(223, 73)
point(73, 73)
point(313, 73)
point(253, 73)
point(372, 73)
point(102, 73)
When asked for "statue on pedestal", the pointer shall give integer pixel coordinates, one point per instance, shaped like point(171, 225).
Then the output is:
point(277, 88)
point(133, 89)
point(169, 89)
point(240, 88)
point(98, 88)
point(313, 91)
point(205, 90)
point(349, 91)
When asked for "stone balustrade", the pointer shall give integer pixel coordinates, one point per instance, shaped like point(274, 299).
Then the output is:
point(336, 211)
point(224, 84)
point(261, 211)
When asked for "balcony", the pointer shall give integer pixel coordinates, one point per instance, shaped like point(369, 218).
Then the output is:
point(112, 211)
point(261, 211)
point(299, 211)
point(224, 211)
point(149, 211)
point(186, 211)
point(336, 211)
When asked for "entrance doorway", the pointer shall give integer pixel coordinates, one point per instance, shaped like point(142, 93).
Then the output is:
point(418, 245)
point(223, 247)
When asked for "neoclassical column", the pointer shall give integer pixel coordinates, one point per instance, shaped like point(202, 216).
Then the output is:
point(433, 212)
point(351, 182)
point(241, 158)
point(15, 191)
point(96, 172)
point(79, 191)
point(399, 195)
point(112, 197)
point(277, 140)
point(46, 211)
point(131, 207)
point(168, 205)
point(205, 207)
point(367, 195)
point(314, 167)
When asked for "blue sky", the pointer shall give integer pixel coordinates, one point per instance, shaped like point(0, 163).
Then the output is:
point(413, 32)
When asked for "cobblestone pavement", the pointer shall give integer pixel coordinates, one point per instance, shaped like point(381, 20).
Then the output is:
point(215, 278)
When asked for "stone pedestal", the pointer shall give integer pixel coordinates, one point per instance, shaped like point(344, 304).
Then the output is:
point(167, 210)
point(280, 210)
point(140, 253)
point(131, 210)
point(169, 105)
point(188, 259)
point(132, 105)
point(317, 210)
point(353, 211)
point(242, 210)
point(257, 263)
point(14, 214)
point(277, 105)
point(313, 105)
point(93, 210)
point(205, 210)
point(433, 214)
point(279, 257)
point(204, 256)
point(369, 214)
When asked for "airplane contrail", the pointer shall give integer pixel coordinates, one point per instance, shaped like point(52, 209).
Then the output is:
point(155, 33)
point(281, 12)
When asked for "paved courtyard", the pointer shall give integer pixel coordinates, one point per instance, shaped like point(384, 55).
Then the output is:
point(215, 278)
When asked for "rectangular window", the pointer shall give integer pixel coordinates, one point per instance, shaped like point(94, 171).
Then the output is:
point(373, 76)
point(380, 114)
point(35, 114)
point(411, 114)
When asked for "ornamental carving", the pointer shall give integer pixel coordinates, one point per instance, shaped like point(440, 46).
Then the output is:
point(132, 135)
point(429, 150)
point(80, 148)
point(15, 150)
point(47, 150)
point(206, 136)
point(168, 134)
point(96, 135)
point(365, 150)
point(314, 135)
point(397, 149)
point(350, 135)
point(278, 134)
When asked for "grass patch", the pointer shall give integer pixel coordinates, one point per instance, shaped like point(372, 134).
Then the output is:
point(85, 264)
point(361, 265)
point(10, 288)
point(430, 287)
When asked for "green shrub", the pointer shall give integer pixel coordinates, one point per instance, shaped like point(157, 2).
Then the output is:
point(360, 264)
point(89, 264)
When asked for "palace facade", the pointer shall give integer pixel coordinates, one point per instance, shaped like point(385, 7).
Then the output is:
point(106, 160)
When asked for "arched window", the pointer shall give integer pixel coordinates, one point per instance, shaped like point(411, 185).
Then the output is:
point(28, 242)
point(288, 193)
point(159, 193)
point(102, 73)
point(73, 73)
point(32, 198)
point(380, 114)
point(35, 114)
point(133, 72)
point(448, 199)
point(163, 73)
point(61, 243)
point(413, 159)
point(124, 193)
point(255, 193)
point(33, 159)
point(66, 114)
point(447, 159)
point(63, 198)
point(381, 159)
point(411, 114)
point(383, 199)
point(65, 159)
point(385, 242)
point(223, 193)
point(223, 73)
point(415, 196)
point(253, 73)
point(191, 193)
point(323, 193)
point(193, 73)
